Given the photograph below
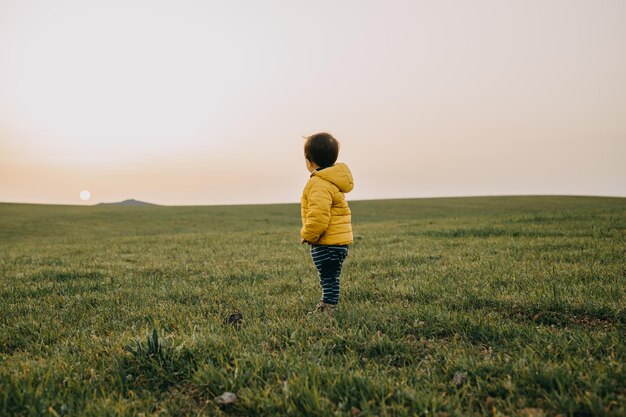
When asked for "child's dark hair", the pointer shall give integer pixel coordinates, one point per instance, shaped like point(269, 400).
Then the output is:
point(321, 149)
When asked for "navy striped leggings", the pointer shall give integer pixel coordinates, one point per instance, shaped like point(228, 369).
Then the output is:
point(328, 261)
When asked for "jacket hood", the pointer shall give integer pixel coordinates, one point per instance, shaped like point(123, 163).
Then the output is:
point(338, 174)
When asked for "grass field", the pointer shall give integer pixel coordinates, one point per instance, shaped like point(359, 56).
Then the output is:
point(467, 306)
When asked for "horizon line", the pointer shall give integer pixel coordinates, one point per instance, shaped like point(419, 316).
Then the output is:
point(151, 204)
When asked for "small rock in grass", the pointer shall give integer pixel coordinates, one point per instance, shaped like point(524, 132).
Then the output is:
point(234, 318)
point(226, 398)
point(458, 379)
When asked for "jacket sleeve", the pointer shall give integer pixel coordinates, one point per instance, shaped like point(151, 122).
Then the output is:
point(318, 213)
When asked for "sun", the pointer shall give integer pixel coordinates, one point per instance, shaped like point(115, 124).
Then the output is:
point(85, 195)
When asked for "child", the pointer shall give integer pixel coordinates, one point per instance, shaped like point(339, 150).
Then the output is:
point(326, 216)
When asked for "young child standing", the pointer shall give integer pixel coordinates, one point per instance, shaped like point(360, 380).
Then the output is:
point(326, 217)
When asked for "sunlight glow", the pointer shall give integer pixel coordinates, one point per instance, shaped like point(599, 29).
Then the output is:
point(95, 82)
point(85, 195)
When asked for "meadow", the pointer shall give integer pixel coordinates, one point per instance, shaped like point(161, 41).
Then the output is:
point(486, 306)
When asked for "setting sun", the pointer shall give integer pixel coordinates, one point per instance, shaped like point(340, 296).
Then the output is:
point(85, 195)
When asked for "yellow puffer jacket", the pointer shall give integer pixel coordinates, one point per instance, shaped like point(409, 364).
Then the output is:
point(326, 216)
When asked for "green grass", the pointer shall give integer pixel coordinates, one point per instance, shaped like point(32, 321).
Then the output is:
point(462, 306)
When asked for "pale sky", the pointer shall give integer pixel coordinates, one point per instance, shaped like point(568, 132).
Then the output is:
point(206, 102)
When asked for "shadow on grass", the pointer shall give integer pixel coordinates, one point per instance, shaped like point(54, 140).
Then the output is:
point(559, 315)
point(487, 232)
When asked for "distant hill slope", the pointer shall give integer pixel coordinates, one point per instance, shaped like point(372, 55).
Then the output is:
point(130, 202)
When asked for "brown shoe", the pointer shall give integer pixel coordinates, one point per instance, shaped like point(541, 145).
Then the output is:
point(323, 307)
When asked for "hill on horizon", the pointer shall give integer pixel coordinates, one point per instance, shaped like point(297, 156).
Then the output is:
point(129, 202)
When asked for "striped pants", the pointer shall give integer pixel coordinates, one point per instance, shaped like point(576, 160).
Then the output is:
point(328, 261)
